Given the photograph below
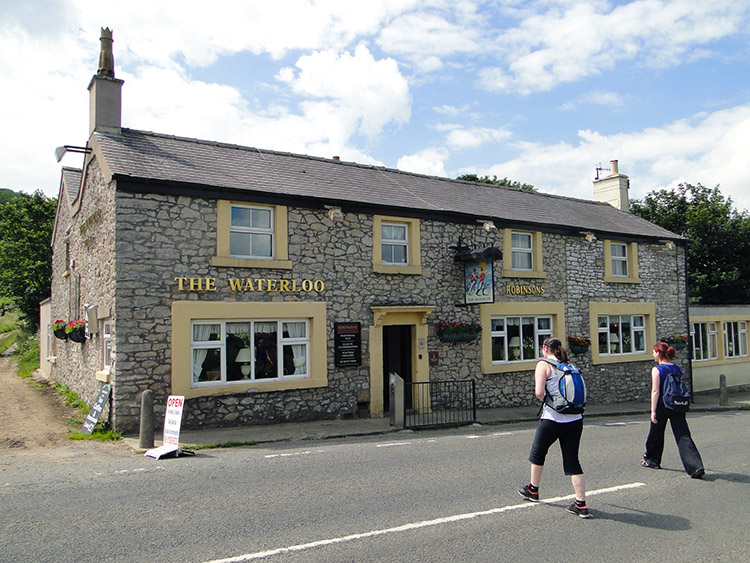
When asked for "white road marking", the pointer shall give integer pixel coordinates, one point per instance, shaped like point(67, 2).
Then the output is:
point(392, 444)
point(308, 452)
point(414, 526)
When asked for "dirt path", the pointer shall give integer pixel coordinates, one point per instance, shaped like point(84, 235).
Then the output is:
point(32, 415)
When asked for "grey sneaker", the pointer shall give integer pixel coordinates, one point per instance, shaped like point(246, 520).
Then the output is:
point(582, 511)
point(528, 495)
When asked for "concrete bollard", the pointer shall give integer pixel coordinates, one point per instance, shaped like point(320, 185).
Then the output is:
point(723, 390)
point(146, 436)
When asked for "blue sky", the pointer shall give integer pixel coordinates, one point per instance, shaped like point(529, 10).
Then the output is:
point(536, 91)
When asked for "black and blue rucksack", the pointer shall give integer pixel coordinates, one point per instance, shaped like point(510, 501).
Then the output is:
point(676, 395)
point(571, 390)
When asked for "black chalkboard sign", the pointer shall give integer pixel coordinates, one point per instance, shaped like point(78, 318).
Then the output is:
point(347, 344)
point(96, 410)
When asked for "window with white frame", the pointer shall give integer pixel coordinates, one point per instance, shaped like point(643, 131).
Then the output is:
point(735, 339)
point(516, 339)
point(619, 259)
point(238, 351)
point(621, 334)
point(106, 345)
point(522, 251)
point(251, 232)
point(395, 243)
point(705, 341)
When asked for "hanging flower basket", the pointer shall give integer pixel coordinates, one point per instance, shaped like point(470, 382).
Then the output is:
point(76, 330)
point(578, 344)
point(58, 329)
point(457, 331)
point(676, 341)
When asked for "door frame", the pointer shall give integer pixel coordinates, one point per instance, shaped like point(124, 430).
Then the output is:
point(415, 315)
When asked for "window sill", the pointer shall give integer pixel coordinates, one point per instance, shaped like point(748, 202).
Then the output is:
point(617, 279)
point(620, 358)
point(525, 365)
point(524, 274)
point(402, 270)
point(103, 375)
point(227, 262)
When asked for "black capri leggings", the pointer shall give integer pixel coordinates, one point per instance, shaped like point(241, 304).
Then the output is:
point(569, 434)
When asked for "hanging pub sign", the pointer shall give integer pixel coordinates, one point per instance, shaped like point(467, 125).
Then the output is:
point(347, 343)
point(479, 282)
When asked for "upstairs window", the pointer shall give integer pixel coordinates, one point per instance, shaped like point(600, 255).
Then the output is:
point(522, 251)
point(395, 244)
point(251, 232)
point(619, 260)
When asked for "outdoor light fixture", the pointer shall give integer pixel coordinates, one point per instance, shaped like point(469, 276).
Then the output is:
point(487, 224)
point(589, 236)
point(335, 213)
point(60, 151)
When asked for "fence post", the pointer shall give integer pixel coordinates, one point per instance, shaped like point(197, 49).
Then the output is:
point(146, 436)
point(723, 390)
point(397, 400)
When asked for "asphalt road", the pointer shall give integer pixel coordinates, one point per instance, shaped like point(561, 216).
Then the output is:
point(443, 496)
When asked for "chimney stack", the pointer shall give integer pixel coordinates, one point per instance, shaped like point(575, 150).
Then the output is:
point(613, 189)
point(105, 91)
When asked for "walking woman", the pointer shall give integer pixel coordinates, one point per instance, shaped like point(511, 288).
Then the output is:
point(664, 355)
point(554, 426)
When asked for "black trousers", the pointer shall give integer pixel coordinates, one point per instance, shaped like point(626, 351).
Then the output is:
point(691, 459)
point(569, 434)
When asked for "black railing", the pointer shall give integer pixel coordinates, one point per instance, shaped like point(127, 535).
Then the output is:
point(440, 403)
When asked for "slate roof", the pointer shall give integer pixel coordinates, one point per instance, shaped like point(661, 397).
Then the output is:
point(151, 158)
point(71, 178)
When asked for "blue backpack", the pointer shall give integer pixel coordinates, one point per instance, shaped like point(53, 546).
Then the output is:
point(676, 396)
point(571, 392)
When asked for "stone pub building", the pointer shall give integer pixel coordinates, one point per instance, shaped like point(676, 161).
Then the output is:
point(270, 287)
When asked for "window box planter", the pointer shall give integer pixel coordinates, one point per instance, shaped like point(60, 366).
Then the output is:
point(457, 331)
point(76, 330)
point(58, 329)
point(578, 345)
point(676, 341)
point(60, 333)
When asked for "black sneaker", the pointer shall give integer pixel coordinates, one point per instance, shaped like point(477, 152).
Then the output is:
point(698, 474)
point(582, 511)
point(529, 495)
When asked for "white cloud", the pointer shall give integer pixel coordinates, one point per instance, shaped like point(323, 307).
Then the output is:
point(429, 161)
point(569, 42)
point(474, 137)
point(709, 149)
point(595, 98)
point(369, 92)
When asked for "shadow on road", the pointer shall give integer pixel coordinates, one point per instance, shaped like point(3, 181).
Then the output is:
point(643, 518)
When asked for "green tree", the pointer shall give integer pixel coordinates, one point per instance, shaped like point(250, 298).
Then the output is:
point(25, 253)
point(503, 182)
point(718, 240)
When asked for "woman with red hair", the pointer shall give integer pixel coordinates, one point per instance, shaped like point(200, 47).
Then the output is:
point(664, 355)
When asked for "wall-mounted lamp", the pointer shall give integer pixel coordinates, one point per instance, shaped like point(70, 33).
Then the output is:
point(487, 224)
point(589, 236)
point(670, 245)
point(335, 213)
point(60, 151)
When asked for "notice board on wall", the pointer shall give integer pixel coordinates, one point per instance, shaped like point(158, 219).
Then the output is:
point(347, 344)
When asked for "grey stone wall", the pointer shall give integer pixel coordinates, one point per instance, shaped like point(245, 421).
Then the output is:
point(89, 232)
point(159, 237)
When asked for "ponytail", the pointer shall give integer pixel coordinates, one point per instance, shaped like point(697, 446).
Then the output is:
point(555, 346)
point(665, 351)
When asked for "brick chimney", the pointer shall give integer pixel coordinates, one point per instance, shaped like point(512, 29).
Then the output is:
point(613, 189)
point(105, 91)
